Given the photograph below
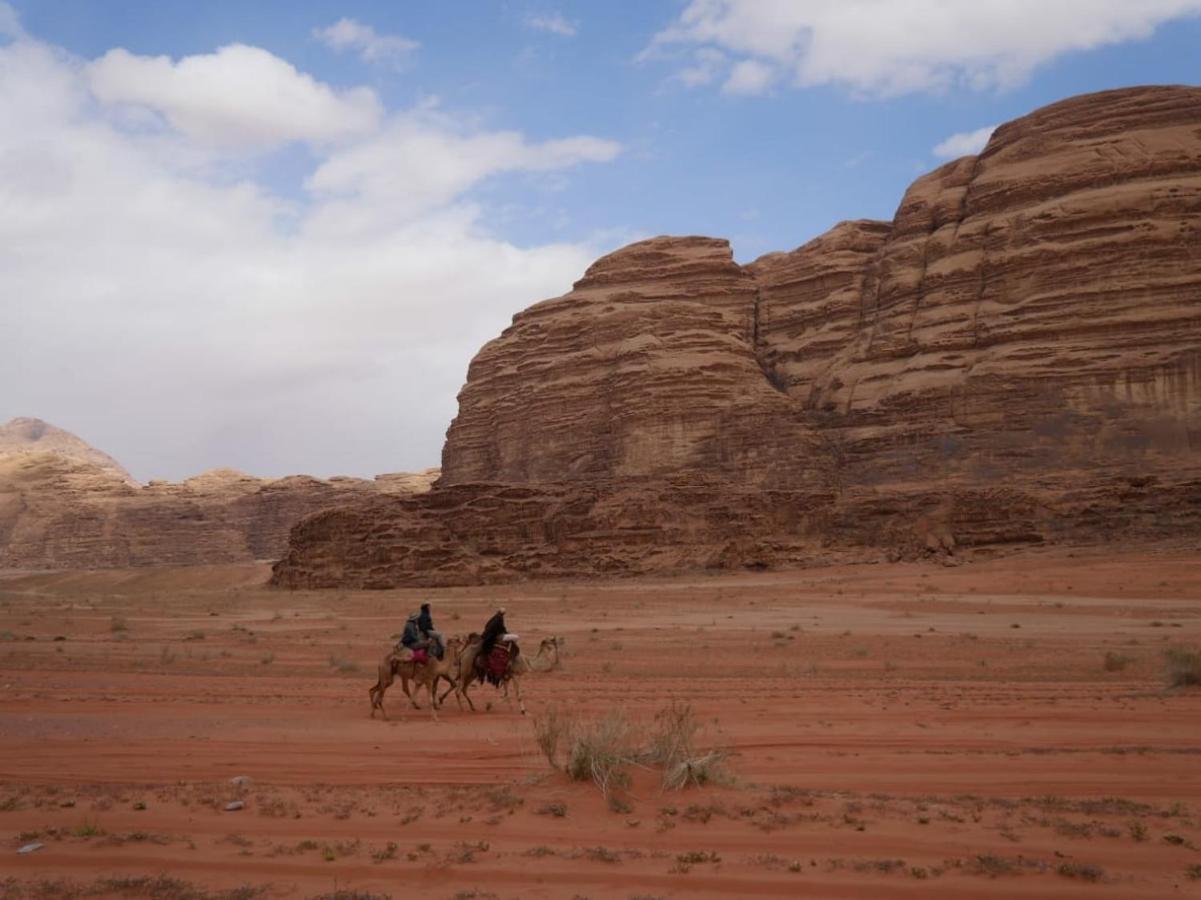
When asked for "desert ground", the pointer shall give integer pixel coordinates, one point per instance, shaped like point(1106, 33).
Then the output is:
point(1002, 728)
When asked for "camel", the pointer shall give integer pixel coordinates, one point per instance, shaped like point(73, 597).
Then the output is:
point(421, 674)
point(545, 660)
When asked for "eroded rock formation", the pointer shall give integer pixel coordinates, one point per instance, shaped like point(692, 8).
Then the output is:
point(1014, 359)
point(64, 504)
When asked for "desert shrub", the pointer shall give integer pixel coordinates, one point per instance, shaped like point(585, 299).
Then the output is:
point(695, 857)
point(672, 745)
point(118, 623)
point(673, 738)
point(708, 768)
point(1116, 662)
point(1082, 871)
point(993, 866)
point(602, 751)
point(551, 730)
point(1184, 666)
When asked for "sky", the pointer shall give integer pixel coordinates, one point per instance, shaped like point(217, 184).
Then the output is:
point(270, 236)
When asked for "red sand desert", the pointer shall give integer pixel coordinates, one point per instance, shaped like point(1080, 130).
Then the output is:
point(909, 730)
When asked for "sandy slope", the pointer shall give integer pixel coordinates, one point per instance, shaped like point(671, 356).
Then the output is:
point(959, 721)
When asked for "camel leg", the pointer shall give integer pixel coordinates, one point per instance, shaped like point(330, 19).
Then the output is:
point(434, 698)
point(376, 693)
point(464, 684)
point(435, 685)
point(454, 686)
point(517, 690)
point(404, 683)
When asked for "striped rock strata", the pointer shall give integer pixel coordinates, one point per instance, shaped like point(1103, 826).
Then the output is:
point(1029, 322)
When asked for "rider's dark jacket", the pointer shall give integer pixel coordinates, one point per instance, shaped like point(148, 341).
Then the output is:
point(412, 632)
point(492, 633)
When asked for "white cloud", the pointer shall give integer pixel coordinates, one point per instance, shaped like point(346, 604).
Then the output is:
point(421, 161)
point(964, 143)
point(555, 23)
point(706, 65)
point(237, 96)
point(10, 24)
point(184, 317)
point(890, 47)
point(749, 77)
point(372, 47)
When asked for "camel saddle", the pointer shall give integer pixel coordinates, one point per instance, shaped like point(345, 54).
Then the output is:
point(495, 668)
point(404, 655)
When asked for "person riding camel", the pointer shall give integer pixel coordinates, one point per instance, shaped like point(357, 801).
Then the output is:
point(420, 634)
point(494, 630)
point(487, 663)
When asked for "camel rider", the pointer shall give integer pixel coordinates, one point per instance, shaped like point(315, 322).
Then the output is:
point(493, 632)
point(419, 633)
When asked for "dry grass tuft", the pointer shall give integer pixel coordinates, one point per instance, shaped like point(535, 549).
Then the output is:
point(1184, 666)
point(159, 887)
point(602, 752)
point(708, 768)
point(1083, 871)
point(672, 746)
point(553, 730)
point(1115, 662)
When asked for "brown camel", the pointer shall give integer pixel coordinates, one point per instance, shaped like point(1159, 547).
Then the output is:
point(545, 660)
point(421, 674)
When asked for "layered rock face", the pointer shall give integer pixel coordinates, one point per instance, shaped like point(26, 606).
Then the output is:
point(1015, 358)
point(64, 504)
point(1034, 307)
point(646, 369)
point(491, 533)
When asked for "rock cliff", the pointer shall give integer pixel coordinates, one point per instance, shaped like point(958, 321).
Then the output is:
point(1014, 358)
point(64, 504)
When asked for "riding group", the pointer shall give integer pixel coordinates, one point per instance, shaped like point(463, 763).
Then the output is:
point(424, 657)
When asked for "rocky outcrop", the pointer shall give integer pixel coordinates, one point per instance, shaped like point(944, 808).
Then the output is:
point(1014, 359)
point(26, 436)
point(489, 533)
point(1036, 305)
point(64, 504)
point(646, 369)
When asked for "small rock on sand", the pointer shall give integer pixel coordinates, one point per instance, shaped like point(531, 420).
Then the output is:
point(234, 806)
point(30, 848)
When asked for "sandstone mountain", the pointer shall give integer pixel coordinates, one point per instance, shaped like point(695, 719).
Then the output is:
point(26, 436)
point(1015, 358)
point(64, 504)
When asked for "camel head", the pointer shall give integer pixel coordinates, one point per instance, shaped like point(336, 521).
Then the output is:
point(549, 647)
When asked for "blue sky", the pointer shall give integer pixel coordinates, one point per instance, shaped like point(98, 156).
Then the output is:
point(301, 288)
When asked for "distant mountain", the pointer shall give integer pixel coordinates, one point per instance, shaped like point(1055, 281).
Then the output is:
point(65, 504)
point(26, 435)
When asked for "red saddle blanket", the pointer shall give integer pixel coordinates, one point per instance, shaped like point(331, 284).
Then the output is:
point(498, 661)
point(421, 656)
